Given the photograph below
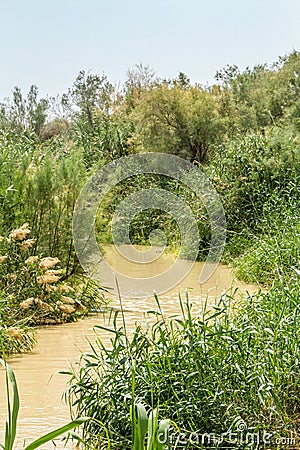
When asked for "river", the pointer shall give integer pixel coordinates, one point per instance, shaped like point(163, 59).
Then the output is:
point(41, 386)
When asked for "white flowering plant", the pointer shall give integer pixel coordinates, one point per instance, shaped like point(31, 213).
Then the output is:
point(34, 289)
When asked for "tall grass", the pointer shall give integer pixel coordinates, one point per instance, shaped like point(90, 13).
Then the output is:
point(40, 183)
point(206, 371)
point(13, 407)
point(274, 253)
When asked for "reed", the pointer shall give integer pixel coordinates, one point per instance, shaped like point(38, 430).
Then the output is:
point(13, 407)
point(147, 432)
point(232, 361)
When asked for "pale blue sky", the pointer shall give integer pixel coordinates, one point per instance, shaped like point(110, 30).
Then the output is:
point(48, 42)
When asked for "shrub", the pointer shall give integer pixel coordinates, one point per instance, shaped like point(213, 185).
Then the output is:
point(204, 371)
point(40, 183)
point(273, 254)
point(34, 286)
point(253, 170)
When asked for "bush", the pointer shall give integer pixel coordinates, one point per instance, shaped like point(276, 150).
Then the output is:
point(253, 170)
point(274, 253)
point(15, 336)
point(40, 183)
point(204, 371)
point(34, 286)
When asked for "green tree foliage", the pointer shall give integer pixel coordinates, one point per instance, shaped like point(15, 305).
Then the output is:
point(139, 79)
point(24, 113)
point(98, 118)
point(265, 95)
point(254, 170)
point(178, 118)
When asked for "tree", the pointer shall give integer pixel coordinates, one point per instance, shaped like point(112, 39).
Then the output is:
point(265, 95)
point(36, 110)
point(25, 113)
point(88, 93)
point(180, 119)
point(139, 79)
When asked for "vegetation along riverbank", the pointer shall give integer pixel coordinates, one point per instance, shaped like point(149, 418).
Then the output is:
point(237, 363)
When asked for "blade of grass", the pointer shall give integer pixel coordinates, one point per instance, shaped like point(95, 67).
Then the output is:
point(11, 428)
point(55, 433)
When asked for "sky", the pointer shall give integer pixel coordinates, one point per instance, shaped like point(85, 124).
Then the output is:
point(48, 42)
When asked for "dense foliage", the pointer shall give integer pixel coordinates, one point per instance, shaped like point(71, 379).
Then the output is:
point(34, 291)
point(206, 372)
point(242, 131)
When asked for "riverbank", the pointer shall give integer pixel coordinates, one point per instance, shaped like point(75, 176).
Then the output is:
point(241, 136)
point(42, 408)
point(36, 290)
point(228, 368)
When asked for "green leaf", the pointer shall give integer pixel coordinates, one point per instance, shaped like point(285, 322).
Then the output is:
point(140, 429)
point(163, 434)
point(142, 421)
point(55, 433)
point(11, 425)
point(152, 427)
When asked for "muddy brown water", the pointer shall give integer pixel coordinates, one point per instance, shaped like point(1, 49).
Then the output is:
point(41, 386)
